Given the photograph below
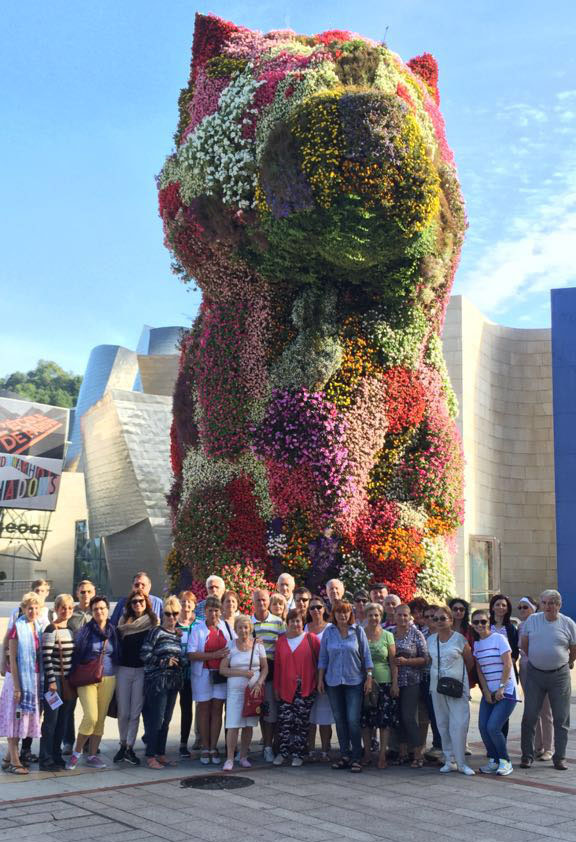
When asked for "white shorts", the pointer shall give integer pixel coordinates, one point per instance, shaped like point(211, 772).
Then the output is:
point(203, 688)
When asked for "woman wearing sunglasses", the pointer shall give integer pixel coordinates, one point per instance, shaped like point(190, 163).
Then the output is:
point(499, 694)
point(132, 629)
point(321, 714)
point(544, 737)
point(164, 664)
point(450, 656)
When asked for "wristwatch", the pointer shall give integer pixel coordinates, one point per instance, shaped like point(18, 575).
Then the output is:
point(369, 673)
point(501, 686)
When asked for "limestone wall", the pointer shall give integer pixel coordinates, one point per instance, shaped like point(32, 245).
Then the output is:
point(503, 379)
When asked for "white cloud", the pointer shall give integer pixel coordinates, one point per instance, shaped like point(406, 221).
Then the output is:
point(563, 95)
point(539, 254)
point(522, 114)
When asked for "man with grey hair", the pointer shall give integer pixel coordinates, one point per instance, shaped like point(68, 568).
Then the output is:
point(285, 586)
point(267, 627)
point(142, 583)
point(334, 591)
point(549, 643)
point(215, 586)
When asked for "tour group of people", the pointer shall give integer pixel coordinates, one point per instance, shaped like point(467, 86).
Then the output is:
point(379, 672)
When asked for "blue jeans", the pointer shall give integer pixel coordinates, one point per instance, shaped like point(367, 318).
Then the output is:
point(157, 713)
point(491, 721)
point(346, 704)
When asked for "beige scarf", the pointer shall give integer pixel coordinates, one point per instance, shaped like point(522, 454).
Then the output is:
point(134, 625)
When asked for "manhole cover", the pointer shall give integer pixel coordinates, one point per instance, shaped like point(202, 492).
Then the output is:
point(216, 782)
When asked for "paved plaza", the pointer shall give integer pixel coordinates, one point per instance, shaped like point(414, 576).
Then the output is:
point(311, 804)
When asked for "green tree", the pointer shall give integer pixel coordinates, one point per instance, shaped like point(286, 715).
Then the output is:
point(47, 383)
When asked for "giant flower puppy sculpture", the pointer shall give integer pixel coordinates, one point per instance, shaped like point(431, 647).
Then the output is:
point(313, 199)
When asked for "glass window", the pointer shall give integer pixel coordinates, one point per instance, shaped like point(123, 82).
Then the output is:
point(484, 567)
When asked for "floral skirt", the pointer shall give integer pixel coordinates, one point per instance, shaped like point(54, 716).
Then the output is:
point(385, 714)
point(28, 725)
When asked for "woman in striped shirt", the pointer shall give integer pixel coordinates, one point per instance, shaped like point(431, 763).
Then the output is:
point(164, 664)
point(57, 649)
point(493, 656)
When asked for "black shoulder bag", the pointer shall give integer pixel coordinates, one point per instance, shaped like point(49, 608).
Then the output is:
point(446, 685)
point(369, 700)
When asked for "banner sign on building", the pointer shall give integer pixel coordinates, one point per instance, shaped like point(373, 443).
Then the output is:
point(32, 442)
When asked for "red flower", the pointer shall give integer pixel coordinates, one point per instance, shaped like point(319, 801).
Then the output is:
point(405, 399)
point(169, 201)
point(210, 35)
point(246, 529)
point(332, 35)
point(426, 67)
point(402, 91)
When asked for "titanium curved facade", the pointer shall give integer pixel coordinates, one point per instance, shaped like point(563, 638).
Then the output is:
point(502, 377)
point(121, 440)
point(109, 366)
point(157, 351)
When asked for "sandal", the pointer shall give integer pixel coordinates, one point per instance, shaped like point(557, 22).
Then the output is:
point(343, 763)
point(417, 763)
point(17, 770)
point(356, 767)
point(152, 763)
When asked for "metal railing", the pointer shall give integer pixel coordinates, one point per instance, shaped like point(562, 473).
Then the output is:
point(12, 590)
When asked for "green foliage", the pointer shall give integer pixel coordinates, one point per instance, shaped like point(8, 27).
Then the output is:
point(47, 383)
point(316, 353)
point(358, 63)
point(221, 66)
point(435, 581)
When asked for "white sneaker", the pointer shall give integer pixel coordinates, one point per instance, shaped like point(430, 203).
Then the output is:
point(268, 754)
point(490, 768)
point(448, 767)
point(545, 755)
point(466, 770)
point(504, 768)
point(278, 760)
point(297, 761)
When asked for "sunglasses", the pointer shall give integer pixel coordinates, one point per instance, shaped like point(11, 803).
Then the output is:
point(363, 601)
point(316, 607)
point(439, 619)
point(523, 607)
point(458, 608)
point(171, 613)
point(479, 622)
point(302, 599)
point(138, 602)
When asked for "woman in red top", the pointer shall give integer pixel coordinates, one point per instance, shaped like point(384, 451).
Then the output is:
point(295, 672)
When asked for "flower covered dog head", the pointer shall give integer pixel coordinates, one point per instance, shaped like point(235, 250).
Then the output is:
point(314, 200)
point(313, 160)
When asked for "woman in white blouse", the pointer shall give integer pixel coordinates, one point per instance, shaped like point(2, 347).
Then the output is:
point(208, 644)
point(450, 654)
point(245, 666)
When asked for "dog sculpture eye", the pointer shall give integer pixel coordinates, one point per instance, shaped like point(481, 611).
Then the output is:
point(314, 200)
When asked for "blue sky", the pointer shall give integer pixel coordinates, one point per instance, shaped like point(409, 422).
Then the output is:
point(88, 95)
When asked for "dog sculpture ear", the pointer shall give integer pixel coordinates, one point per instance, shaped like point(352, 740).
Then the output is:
point(210, 35)
point(426, 67)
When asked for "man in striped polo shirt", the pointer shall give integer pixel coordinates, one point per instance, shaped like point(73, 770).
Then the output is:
point(267, 627)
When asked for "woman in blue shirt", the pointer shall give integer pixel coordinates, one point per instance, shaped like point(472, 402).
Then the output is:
point(345, 672)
